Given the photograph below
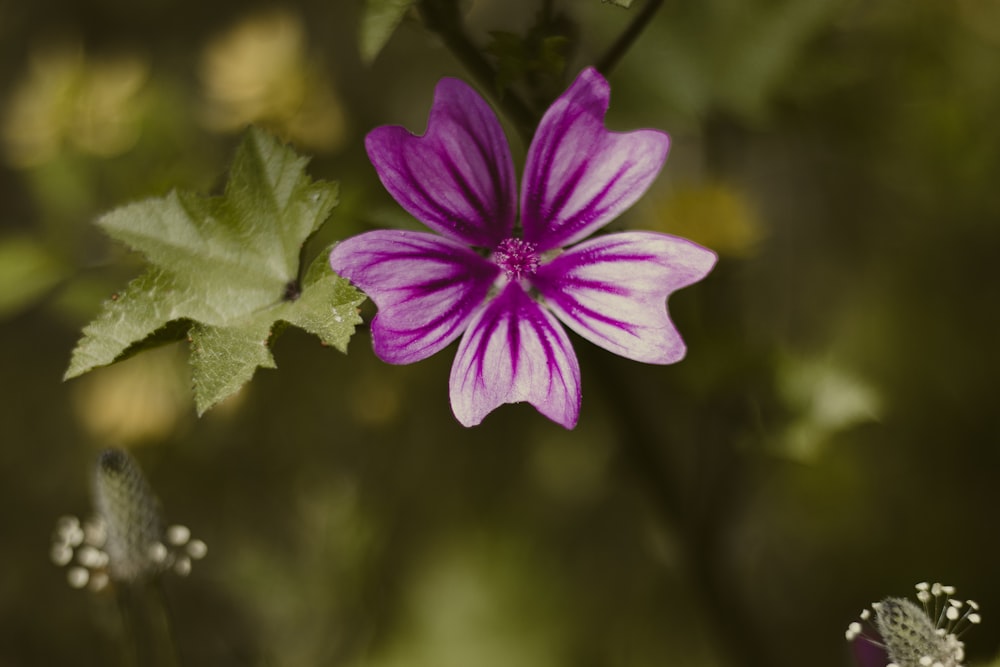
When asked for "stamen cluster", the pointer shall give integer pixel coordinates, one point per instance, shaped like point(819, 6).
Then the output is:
point(920, 636)
point(518, 258)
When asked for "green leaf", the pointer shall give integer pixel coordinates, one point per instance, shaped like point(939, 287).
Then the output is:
point(536, 59)
point(621, 3)
point(225, 271)
point(379, 21)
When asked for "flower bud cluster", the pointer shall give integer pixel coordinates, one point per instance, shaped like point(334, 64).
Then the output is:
point(125, 541)
point(919, 636)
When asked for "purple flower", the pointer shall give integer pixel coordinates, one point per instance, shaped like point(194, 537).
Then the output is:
point(505, 284)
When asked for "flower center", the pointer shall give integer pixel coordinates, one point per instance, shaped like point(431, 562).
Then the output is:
point(516, 257)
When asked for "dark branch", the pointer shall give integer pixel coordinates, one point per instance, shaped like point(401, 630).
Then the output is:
point(621, 46)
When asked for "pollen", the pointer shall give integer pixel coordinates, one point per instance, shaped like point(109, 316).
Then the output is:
point(517, 257)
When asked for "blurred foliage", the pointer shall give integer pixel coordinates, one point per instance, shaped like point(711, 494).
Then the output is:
point(66, 99)
point(27, 272)
point(830, 440)
point(380, 20)
point(537, 59)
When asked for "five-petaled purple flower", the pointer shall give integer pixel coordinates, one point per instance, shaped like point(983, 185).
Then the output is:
point(504, 284)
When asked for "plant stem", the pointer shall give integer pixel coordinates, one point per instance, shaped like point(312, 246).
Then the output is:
point(161, 608)
point(624, 42)
point(442, 17)
point(148, 637)
point(697, 529)
point(131, 653)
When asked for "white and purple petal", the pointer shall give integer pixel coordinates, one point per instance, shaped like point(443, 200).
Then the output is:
point(513, 351)
point(458, 178)
point(612, 290)
point(426, 287)
point(578, 175)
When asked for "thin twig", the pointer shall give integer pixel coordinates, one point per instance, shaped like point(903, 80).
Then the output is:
point(624, 42)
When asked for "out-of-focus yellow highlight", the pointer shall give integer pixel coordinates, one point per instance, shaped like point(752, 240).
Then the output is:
point(981, 17)
point(258, 72)
point(714, 215)
point(139, 400)
point(68, 98)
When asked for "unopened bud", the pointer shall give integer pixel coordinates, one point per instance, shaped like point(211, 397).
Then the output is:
point(131, 513)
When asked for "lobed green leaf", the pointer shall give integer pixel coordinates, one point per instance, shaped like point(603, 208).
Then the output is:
point(224, 271)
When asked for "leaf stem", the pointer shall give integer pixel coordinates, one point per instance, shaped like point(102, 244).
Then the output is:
point(442, 17)
point(624, 42)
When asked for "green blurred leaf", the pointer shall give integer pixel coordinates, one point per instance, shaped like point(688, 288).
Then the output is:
point(621, 3)
point(228, 267)
point(535, 53)
point(27, 271)
point(379, 21)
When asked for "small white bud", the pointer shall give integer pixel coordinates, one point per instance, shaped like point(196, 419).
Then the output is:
point(61, 554)
point(178, 535)
point(95, 532)
point(197, 549)
point(91, 557)
point(183, 566)
point(158, 552)
point(68, 530)
point(77, 576)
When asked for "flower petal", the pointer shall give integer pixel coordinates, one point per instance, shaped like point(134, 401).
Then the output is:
point(458, 178)
point(578, 175)
point(426, 287)
point(612, 290)
point(514, 350)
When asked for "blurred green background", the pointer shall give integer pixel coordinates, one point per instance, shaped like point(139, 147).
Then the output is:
point(832, 438)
